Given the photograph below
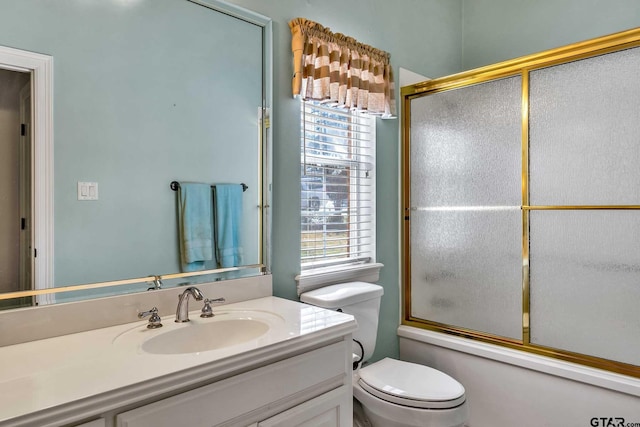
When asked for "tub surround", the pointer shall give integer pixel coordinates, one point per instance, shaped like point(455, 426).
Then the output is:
point(75, 377)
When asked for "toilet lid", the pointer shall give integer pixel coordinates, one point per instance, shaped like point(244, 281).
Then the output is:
point(410, 384)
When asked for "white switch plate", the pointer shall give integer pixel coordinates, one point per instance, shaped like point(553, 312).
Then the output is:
point(87, 190)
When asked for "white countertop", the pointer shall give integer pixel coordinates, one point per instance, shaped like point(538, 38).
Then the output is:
point(63, 372)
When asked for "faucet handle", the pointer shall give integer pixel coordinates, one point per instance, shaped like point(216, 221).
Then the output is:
point(154, 319)
point(207, 311)
point(157, 283)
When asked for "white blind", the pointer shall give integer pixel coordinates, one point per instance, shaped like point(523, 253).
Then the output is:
point(337, 184)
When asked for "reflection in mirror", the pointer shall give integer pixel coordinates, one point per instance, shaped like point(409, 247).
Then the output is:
point(128, 286)
point(15, 183)
point(144, 93)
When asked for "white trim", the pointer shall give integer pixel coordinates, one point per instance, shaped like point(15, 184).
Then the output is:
point(547, 365)
point(319, 277)
point(41, 69)
point(235, 11)
point(408, 77)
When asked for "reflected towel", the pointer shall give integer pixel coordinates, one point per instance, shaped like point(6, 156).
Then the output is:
point(195, 225)
point(228, 217)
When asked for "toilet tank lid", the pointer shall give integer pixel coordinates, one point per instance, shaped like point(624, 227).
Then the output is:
point(343, 294)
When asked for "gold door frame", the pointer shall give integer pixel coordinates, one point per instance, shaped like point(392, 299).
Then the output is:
point(520, 66)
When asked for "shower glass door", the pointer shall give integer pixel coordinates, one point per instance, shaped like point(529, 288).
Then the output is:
point(522, 204)
point(466, 220)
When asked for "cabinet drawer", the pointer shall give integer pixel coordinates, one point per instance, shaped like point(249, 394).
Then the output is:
point(230, 398)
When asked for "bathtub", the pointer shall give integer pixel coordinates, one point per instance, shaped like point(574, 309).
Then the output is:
point(509, 388)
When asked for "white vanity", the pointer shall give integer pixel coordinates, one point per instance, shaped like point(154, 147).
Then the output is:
point(260, 362)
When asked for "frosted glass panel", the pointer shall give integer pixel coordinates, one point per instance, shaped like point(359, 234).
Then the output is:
point(584, 132)
point(585, 282)
point(466, 145)
point(466, 269)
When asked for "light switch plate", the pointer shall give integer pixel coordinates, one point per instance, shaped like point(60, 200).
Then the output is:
point(87, 190)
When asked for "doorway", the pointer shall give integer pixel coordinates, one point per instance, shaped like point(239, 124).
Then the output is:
point(16, 238)
point(26, 177)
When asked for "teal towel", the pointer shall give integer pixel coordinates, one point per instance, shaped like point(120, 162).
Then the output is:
point(195, 225)
point(228, 217)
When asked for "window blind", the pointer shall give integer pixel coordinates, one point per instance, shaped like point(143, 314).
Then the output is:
point(337, 184)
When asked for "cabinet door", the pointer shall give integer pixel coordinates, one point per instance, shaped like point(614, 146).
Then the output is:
point(331, 409)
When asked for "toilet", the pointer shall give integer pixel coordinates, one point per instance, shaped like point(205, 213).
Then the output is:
point(391, 393)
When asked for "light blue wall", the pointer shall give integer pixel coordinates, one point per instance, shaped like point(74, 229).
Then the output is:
point(421, 35)
point(498, 30)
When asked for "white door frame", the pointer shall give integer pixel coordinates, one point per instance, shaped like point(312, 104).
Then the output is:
point(41, 69)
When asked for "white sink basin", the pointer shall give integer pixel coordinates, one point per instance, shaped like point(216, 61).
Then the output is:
point(205, 336)
point(226, 329)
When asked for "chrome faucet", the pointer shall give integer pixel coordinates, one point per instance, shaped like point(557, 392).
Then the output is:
point(182, 312)
point(157, 283)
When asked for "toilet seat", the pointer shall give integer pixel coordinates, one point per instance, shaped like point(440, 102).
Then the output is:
point(410, 384)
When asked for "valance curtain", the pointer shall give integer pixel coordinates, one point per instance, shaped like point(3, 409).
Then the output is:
point(340, 71)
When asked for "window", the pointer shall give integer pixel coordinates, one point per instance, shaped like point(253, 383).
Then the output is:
point(337, 187)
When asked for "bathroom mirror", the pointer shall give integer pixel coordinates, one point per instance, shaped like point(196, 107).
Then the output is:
point(146, 92)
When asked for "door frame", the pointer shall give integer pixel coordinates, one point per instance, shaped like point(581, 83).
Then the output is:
point(41, 69)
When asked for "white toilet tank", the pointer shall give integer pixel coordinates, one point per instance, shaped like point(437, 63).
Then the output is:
point(361, 300)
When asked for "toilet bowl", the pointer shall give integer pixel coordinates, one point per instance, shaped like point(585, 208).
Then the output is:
point(391, 393)
point(394, 393)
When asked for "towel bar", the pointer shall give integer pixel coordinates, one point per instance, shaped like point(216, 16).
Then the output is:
point(175, 185)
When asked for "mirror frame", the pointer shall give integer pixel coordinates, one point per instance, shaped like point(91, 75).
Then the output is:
point(42, 70)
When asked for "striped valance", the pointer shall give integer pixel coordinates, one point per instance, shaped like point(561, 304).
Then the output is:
point(338, 70)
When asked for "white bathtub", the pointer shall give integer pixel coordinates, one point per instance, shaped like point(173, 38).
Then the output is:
point(510, 388)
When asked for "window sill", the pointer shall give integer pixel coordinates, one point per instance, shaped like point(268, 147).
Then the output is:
point(320, 277)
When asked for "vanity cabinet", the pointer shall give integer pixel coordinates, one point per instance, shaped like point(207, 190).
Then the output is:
point(298, 373)
point(309, 389)
point(327, 410)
